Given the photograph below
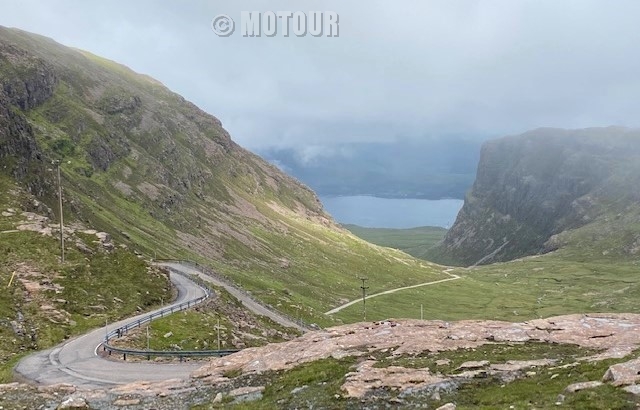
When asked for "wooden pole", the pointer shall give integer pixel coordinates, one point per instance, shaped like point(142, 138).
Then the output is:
point(364, 299)
point(13, 275)
point(218, 333)
point(61, 214)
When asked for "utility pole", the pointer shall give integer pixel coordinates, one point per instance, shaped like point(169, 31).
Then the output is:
point(57, 163)
point(218, 327)
point(364, 298)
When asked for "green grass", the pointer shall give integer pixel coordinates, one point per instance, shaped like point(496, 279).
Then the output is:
point(188, 330)
point(414, 241)
point(541, 391)
point(515, 291)
point(197, 329)
point(87, 290)
point(322, 378)
point(494, 353)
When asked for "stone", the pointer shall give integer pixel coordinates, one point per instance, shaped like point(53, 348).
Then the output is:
point(217, 399)
point(73, 403)
point(126, 402)
point(298, 389)
point(473, 365)
point(623, 373)
point(57, 388)
point(515, 365)
point(368, 377)
point(633, 389)
point(249, 393)
point(103, 237)
point(560, 399)
point(443, 362)
point(448, 406)
point(572, 388)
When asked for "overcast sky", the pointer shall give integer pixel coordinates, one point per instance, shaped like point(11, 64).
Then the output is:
point(405, 68)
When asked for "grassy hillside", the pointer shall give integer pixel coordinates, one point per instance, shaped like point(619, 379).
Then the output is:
point(594, 269)
point(43, 302)
point(162, 176)
point(414, 241)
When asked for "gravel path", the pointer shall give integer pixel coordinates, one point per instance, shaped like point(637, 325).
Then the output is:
point(388, 292)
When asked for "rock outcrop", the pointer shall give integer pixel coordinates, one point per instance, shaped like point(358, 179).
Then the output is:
point(533, 186)
point(26, 81)
point(378, 349)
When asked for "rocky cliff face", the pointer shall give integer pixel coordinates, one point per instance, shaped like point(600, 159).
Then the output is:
point(19, 151)
point(539, 184)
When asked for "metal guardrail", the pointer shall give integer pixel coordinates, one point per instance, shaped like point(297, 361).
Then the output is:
point(122, 330)
point(229, 282)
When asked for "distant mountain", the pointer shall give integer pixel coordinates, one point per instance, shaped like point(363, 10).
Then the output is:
point(429, 169)
point(547, 189)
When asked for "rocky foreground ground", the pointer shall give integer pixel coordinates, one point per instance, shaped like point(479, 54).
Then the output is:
point(243, 376)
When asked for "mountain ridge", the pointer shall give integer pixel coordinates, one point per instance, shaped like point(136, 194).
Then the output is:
point(532, 187)
point(161, 175)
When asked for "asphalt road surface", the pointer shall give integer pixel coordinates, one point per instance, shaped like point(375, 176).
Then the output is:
point(239, 294)
point(76, 361)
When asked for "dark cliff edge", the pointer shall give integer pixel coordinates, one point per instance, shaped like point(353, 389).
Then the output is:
point(536, 185)
point(25, 82)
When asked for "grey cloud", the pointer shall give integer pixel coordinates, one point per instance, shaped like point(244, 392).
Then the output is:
point(404, 69)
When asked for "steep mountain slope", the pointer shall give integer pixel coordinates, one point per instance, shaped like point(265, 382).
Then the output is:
point(534, 190)
point(160, 174)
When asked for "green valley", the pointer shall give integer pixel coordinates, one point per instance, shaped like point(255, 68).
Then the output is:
point(414, 241)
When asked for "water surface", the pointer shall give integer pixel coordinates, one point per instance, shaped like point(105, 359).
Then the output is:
point(373, 212)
